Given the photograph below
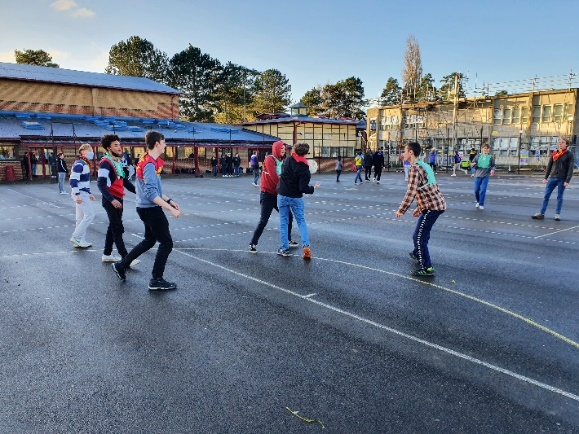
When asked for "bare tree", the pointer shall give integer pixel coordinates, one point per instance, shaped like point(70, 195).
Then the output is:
point(412, 71)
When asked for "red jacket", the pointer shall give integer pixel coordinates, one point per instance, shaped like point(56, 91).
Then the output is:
point(269, 176)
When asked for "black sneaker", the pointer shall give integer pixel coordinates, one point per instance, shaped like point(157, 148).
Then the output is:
point(119, 270)
point(252, 248)
point(424, 272)
point(413, 257)
point(538, 216)
point(282, 252)
point(293, 243)
point(161, 284)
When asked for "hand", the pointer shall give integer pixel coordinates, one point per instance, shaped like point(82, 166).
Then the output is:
point(78, 199)
point(174, 205)
point(565, 184)
point(544, 181)
point(416, 213)
point(91, 197)
point(117, 204)
point(316, 185)
point(492, 172)
point(399, 214)
point(175, 212)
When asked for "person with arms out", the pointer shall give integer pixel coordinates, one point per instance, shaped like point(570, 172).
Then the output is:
point(484, 164)
point(268, 196)
point(62, 171)
point(80, 186)
point(150, 204)
point(293, 183)
point(430, 205)
point(339, 168)
point(558, 174)
point(254, 164)
point(112, 182)
point(378, 160)
point(359, 163)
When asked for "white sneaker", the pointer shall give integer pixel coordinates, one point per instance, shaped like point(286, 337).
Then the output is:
point(63, 192)
point(110, 258)
point(134, 263)
point(78, 243)
point(477, 205)
point(481, 207)
point(472, 176)
point(454, 174)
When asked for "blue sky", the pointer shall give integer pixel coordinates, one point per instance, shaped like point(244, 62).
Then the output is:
point(311, 42)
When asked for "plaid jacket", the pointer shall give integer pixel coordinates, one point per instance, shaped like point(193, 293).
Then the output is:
point(428, 196)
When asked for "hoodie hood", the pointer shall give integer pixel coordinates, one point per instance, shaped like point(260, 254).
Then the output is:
point(276, 149)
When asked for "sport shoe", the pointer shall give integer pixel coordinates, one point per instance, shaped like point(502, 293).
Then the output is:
point(413, 256)
point(454, 174)
point(161, 284)
point(481, 207)
point(252, 248)
point(557, 217)
point(538, 216)
point(424, 272)
point(134, 263)
point(75, 242)
point(477, 205)
point(282, 252)
point(119, 270)
point(293, 243)
point(307, 252)
point(110, 258)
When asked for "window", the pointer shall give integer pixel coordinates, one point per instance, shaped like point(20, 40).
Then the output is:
point(516, 115)
point(507, 116)
point(497, 116)
point(568, 109)
point(536, 114)
point(524, 114)
point(557, 112)
point(547, 113)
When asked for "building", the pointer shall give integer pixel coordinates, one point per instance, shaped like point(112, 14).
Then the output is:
point(522, 129)
point(44, 111)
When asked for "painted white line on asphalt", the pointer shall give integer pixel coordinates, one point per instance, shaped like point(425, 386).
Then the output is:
point(393, 331)
point(36, 199)
point(556, 232)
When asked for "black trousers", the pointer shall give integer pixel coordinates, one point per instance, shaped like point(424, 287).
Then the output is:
point(377, 173)
point(156, 229)
point(368, 172)
point(268, 203)
point(115, 230)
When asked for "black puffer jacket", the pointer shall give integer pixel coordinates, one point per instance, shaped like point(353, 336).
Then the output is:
point(294, 180)
point(562, 168)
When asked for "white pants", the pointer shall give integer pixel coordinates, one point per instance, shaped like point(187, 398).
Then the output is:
point(84, 216)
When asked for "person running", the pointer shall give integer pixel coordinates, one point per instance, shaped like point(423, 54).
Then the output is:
point(62, 170)
point(484, 164)
point(430, 205)
point(111, 182)
point(268, 195)
point(378, 160)
point(558, 174)
point(80, 186)
point(293, 183)
point(456, 165)
point(150, 204)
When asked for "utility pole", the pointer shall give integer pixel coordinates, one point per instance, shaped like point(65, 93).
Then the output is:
point(454, 111)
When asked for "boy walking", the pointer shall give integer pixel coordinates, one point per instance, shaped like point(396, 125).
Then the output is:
point(80, 192)
point(150, 204)
point(485, 168)
point(430, 205)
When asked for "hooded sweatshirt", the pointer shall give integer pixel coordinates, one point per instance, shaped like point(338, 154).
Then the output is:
point(270, 175)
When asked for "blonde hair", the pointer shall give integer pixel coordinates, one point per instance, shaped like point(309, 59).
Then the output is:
point(84, 147)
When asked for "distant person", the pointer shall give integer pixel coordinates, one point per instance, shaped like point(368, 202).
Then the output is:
point(378, 161)
point(406, 165)
point(62, 172)
point(430, 205)
point(456, 165)
point(294, 182)
point(368, 162)
point(130, 166)
point(339, 168)
point(214, 166)
point(228, 165)
point(33, 163)
point(236, 165)
point(473, 153)
point(24, 163)
point(558, 174)
point(80, 186)
point(254, 164)
point(484, 164)
point(150, 205)
point(432, 158)
point(359, 164)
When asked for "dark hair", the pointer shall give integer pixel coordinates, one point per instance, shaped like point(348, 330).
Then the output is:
point(414, 147)
point(302, 149)
point(107, 140)
point(153, 137)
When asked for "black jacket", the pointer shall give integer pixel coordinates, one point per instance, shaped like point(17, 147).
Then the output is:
point(62, 165)
point(295, 179)
point(562, 168)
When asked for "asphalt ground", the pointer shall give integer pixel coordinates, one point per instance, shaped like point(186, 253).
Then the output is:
point(349, 339)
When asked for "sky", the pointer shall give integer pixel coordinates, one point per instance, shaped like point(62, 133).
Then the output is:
point(311, 42)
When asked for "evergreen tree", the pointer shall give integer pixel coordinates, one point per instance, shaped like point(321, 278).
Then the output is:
point(391, 93)
point(313, 100)
point(138, 57)
point(426, 90)
point(272, 92)
point(233, 94)
point(446, 91)
point(34, 57)
point(345, 98)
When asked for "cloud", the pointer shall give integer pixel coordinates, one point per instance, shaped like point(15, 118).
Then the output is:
point(83, 12)
point(63, 5)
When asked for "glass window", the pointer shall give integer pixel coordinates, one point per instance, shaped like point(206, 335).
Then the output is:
point(507, 116)
point(547, 113)
point(558, 112)
point(516, 115)
point(536, 114)
point(524, 114)
point(498, 114)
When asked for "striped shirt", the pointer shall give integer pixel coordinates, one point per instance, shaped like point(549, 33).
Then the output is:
point(428, 196)
point(80, 177)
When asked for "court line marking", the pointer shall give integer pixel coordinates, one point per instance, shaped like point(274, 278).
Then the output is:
point(372, 323)
point(556, 232)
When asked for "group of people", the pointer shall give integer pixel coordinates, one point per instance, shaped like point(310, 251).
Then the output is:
point(230, 166)
point(365, 162)
point(150, 201)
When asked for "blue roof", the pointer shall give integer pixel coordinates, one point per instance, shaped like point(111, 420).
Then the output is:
point(306, 119)
point(38, 126)
point(45, 74)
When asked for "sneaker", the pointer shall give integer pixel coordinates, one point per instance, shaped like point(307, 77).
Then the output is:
point(307, 252)
point(160, 284)
point(413, 256)
point(538, 216)
point(454, 174)
point(252, 248)
point(377, 182)
point(134, 263)
point(477, 205)
point(254, 184)
point(282, 252)
point(293, 243)
point(63, 192)
point(119, 270)
point(374, 179)
point(110, 258)
point(472, 176)
point(75, 242)
point(557, 217)
point(424, 272)
point(481, 207)
point(355, 183)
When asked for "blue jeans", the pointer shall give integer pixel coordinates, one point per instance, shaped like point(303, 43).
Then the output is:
point(61, 176)
point(255, 174)
point(296, 204)
point(358, 174)
point(480, 189)
point(422, 235)
point(551, 184)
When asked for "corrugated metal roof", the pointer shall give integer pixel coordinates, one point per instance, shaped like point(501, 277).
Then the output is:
point(68, 76)
point(87, 128)
point(303, 119)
